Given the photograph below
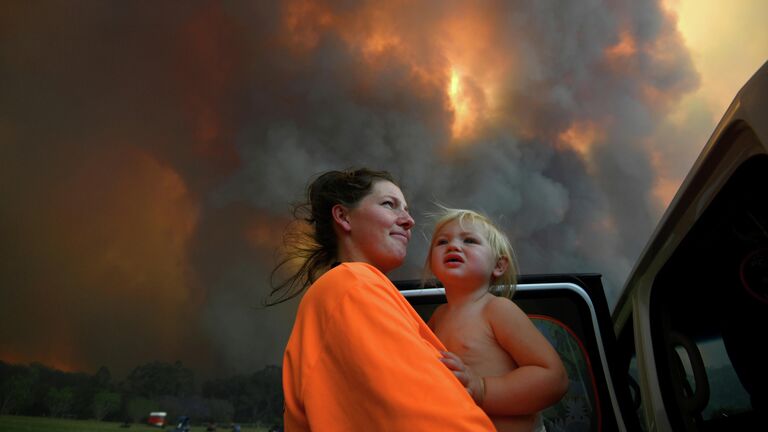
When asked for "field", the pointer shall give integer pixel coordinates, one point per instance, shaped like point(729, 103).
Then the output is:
point(46, 424)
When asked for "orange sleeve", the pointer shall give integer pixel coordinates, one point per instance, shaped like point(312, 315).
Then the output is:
point(374, 364)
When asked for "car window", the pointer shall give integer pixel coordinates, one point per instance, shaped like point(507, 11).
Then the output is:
point(709, 314)
point(727, 396)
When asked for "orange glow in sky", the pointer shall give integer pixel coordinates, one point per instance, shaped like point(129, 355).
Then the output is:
point(581, 137)
point(624, 48)
point(727, 45)
point(477, 69)
point(465, 112)
point(464, 58)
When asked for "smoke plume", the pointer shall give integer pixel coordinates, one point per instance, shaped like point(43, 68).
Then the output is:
point(150, 153)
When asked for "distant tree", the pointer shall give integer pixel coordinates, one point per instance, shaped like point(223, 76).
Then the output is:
point(173, 405)
point(17, 391)
point(221, 410)
point(86, 389)
point(269, 407)
point(105, 403)
point(196, 407)
point(138, 408)
point(27, 390)
point(59, 401)
point(78, 382)
point(254, 398)
point(158, 379)
point(236, 390)
point(102, 378)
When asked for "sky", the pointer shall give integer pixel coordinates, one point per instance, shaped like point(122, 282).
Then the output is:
point(150, 152)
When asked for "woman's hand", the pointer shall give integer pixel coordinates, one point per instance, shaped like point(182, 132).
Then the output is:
point(474, 384)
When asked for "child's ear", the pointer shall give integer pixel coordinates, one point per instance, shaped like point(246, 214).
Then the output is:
point(502, 264)
point(341, 217)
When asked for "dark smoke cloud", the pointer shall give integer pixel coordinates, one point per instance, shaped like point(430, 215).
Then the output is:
point(150, 154)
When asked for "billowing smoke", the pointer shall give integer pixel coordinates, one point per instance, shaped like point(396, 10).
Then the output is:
point(150, 154)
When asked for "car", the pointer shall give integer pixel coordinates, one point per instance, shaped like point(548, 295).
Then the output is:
point(692, 317)
point(156, 418)
point(683, 348)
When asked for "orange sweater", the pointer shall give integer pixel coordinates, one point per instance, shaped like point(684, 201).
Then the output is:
point(361, 359)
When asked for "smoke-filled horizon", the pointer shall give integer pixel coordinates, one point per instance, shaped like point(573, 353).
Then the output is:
point(151, 154)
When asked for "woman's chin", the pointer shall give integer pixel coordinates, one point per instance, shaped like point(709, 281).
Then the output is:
point(391, 263)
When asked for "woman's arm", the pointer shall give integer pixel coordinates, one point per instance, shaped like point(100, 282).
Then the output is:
point(379, 367)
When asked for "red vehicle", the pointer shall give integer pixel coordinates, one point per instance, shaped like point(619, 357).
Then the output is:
point(156, 419)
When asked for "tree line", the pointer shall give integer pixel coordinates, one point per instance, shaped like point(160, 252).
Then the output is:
point(38, 390)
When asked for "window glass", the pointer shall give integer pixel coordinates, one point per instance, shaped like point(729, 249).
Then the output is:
point(727, 397)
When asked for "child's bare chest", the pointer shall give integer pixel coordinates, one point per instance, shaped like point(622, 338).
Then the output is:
point(471, 337)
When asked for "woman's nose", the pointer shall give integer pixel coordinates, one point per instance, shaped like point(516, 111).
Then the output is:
point(406, 221)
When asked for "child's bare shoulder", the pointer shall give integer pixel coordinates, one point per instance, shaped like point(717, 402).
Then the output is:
point(439, 311)
point(437, 315)
point(503, 308)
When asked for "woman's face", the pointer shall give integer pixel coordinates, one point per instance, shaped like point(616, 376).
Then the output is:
point(380, 227)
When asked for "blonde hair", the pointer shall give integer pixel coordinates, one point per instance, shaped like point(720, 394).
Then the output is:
point(496, 238)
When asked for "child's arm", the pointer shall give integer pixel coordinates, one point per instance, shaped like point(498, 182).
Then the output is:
point(540, 379)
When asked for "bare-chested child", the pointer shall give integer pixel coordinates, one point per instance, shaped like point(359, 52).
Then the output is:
point(506, 364)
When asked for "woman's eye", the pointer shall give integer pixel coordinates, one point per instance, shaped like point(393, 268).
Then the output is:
point(389, 204)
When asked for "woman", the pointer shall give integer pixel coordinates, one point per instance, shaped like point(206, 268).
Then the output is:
point(359, 357)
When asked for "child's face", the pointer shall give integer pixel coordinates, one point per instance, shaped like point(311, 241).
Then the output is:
point(460, 253)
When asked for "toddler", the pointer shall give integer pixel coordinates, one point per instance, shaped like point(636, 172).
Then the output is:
point(506, 364)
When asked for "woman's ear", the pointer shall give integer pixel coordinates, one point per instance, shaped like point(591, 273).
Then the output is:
point(341, 217)
point(502, 264)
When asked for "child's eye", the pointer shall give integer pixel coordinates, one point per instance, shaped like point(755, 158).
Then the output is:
point(440, 242)
point(471, 240)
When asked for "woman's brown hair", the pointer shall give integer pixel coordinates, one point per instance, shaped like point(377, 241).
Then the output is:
point(311, 240)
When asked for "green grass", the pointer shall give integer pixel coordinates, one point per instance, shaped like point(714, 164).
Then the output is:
point(46, 424)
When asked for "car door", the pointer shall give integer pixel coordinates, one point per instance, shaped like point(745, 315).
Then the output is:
point(692, 319)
